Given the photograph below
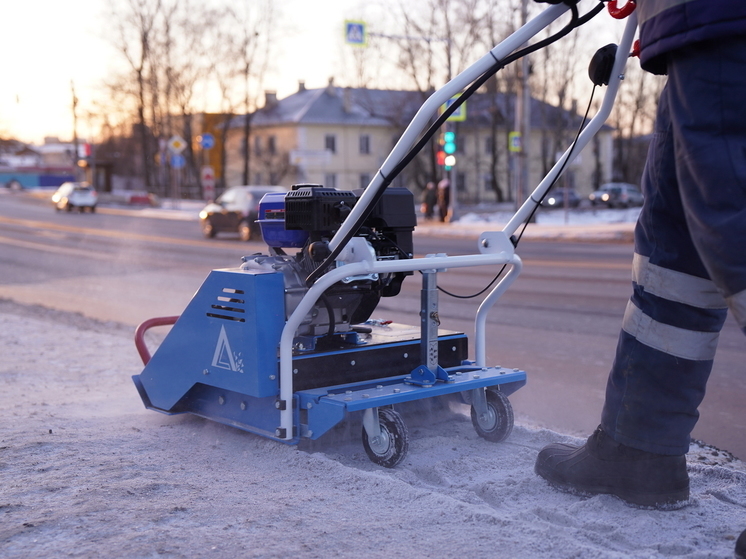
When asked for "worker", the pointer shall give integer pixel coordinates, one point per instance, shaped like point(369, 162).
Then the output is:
point(444, 198)
point(689, 265)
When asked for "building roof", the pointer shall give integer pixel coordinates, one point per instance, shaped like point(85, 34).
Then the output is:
point(379, 107)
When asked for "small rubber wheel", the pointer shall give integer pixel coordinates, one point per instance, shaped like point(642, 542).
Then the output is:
point(93, 209)
point(69, 207)
point(495, 425)
point(391, 447)
point(244, 231)
point(208, 230)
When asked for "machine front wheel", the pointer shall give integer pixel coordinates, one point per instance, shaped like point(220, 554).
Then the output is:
point(391, 446)
point(496, 424)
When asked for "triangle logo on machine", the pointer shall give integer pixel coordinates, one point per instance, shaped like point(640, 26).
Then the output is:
point(224, 358)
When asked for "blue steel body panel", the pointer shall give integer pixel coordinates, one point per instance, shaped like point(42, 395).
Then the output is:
point(227, 337)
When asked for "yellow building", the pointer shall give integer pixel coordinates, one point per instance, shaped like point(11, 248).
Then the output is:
point(339, 137)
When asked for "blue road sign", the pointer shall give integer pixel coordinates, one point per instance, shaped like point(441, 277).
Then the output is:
point(207, 141)
point(356, 33)
point(177, 161)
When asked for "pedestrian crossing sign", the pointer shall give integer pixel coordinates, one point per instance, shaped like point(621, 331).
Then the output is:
point(356, 33)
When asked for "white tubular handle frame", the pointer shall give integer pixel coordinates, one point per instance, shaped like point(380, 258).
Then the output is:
point(421, 120)
point(617, 75)
point(419, 123)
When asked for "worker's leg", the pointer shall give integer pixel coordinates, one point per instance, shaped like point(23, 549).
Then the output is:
point(708, 114)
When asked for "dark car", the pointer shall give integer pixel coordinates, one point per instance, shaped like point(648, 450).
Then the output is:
point(235, 211)
point(556, 198)
point(617, 195)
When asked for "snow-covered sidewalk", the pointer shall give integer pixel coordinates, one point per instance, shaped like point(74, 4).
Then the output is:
point(88, 472)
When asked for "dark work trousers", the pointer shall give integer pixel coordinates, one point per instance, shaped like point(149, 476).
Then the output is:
point(690, 251)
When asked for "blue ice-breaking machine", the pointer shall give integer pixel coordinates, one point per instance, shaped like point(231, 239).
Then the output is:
point(283, 345)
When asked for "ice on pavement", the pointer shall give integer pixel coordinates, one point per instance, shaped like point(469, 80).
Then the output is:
point(88, 472)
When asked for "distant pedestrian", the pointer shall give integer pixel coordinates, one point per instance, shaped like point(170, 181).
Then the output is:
point(444, 198)
point(429, 200)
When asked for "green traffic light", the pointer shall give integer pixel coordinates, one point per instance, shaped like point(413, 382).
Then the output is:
point(449, 137)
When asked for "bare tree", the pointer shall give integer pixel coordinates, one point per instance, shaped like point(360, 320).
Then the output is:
point(135, 22)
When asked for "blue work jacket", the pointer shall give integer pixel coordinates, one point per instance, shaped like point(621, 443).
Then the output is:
point(667, 25)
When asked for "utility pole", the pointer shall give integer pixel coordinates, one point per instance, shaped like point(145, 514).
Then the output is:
point(76, 153)
point(522, 124)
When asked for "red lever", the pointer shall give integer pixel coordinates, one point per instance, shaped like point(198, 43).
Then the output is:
point(620, 13)
point(635, 49)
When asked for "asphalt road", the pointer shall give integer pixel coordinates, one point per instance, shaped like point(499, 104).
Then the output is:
point(559, 321)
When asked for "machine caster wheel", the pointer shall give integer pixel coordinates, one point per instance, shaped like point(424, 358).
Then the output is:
point(496, 424)
point(391, 446)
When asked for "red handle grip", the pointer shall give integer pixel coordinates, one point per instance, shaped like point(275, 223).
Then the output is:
point(142, 349)
point(620, 13)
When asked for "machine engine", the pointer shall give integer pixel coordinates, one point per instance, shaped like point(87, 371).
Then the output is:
point(306, 218)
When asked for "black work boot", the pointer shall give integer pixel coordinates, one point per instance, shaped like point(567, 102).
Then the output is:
point(602, 465)
point(741, 546)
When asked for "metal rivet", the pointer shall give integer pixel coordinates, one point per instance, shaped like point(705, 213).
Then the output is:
point(379, 387)
point(243, 405)
point(352, 362)
point(397, 390)
point(221, 400)
point(475, 376)
point(366, 395)
point(453, 348)
point(348, 399)
point(205, 372)
point(295, 371)
point(272, 377)
point(309, 405)
point(406, 355)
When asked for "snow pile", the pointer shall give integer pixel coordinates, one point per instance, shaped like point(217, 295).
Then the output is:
point(88, 472)
point(577, 224)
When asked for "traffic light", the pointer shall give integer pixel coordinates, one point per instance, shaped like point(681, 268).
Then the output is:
point(449, 142)
point(441, 157)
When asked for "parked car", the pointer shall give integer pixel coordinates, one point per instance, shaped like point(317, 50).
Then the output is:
point(236, 210)
point(556, 198)
point(617, 195)
point(75, 195)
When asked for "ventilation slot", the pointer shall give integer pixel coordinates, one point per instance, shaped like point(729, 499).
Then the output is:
point(228, 304)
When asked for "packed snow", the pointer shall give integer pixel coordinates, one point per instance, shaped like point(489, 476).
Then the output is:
point(87, 471)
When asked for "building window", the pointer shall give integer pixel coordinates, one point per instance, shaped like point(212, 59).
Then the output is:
point(257, 145)
point(272, 145)
point(364, 144)
point(364, 180)
point(330, 180)
point(330, 143)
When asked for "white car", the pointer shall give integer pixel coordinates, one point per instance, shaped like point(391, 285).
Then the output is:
point(71, 195)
